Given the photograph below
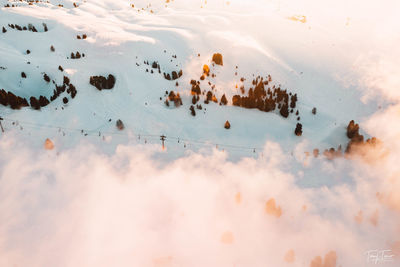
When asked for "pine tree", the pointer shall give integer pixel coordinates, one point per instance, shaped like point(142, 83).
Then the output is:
point(284, 111)
point(224, 101)
point(299, 129)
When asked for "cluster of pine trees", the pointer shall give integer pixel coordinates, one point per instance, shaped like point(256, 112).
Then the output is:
point(30, 28)
point(209, 96)
point(357, 139)
point(355, 144)
point(66, 86)
point(17, 102)
point(77, 55)
point(175, 98)
point(173, 76)
point(267, 100)
point(101, 82)
point(84, 36)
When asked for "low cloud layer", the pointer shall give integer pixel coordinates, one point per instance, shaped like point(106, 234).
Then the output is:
point(84, 208)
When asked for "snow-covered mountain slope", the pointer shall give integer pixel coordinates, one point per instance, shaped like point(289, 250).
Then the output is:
point(250, 195)
point(303, 58)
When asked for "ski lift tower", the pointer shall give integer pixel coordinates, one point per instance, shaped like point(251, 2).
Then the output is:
point(162, 138)
point(2, 129)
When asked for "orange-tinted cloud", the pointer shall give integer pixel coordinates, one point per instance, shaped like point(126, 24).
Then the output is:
point(328, 261)
point(227, 238)
point(272, 209)
point(290, 256)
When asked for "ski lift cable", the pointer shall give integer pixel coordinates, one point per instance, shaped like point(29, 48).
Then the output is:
point(94, 132)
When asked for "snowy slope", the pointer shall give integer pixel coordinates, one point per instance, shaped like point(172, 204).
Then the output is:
point(119, 36)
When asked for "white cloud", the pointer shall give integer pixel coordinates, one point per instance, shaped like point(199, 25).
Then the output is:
point(84, 208)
